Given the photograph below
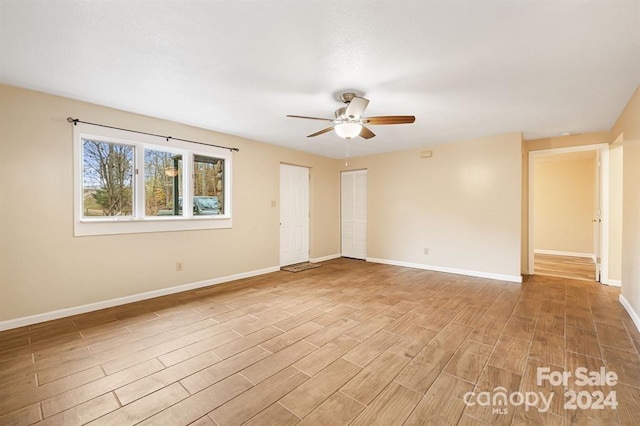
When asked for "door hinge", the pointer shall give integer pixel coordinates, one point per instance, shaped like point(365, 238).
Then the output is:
point(598, 260)
point(598, 163)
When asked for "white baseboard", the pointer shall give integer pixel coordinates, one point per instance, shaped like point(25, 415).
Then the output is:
point(480, 274)
point(324, 258)
point(633, 314)
point(612, 283)
point(565, 253)
point(61, 313)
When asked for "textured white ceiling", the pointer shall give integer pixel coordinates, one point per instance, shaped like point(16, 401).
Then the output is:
point(465, 69)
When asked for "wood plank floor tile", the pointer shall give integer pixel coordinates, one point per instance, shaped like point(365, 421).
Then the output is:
point(551, 324)
point(203, 421)
point(548, 347)
point(510, 354)
point(22, 417)
point(369, 350)
point(469, 361)
point(85, 412)
point(628, 404)
point(582, 341)
point(368, 328)
point(78, 395)
point(278, 361)
point(338, 410)
point(321, 358)
point(581, 318)
point(528, 308)
point(367, 384)
point(413, 341)
point(519, 327)
point(391, 407)
point(470, 316)
point(487, 331)
point(574, 360)
point(299, 319)
point(615, 337)
point(330, 332)
point(491, 378)
point(191, 409)
point(275, 415)
point(406, 321)
point(422, 371)
point(443, 404)
point(153, 382)
point(291, 336)
point(553, 394)
point(258, 398)
point(305, 398)
point(466, 420)
point(437, 320)
point(523, 417)
point(145, 407)
point(19, 400)
point(236, 346)
point(451, 337)
point(625, 364)
point(198, 348)
point(223, 369)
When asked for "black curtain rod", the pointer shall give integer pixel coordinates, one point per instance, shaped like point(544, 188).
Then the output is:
point(75, 122)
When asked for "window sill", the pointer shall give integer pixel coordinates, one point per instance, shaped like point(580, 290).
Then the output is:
point(115, 226)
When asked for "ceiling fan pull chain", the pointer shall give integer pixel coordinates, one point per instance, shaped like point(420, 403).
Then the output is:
point(346, 160)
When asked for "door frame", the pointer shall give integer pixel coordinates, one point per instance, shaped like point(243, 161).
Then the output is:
point(603, 148)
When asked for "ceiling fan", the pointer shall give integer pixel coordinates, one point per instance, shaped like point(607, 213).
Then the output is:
point(349, 122)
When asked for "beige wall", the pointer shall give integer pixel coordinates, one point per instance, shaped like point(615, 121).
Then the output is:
point(628, 124)
point(44, 268)
point(463, 204)
point(615, 209)
point(564, 203)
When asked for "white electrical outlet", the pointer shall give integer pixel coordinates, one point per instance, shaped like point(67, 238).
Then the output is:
point(179, 266)
point(426, 251)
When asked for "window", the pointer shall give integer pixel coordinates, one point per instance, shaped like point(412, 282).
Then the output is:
point(107, 175)
point(162, 183)
point(130, 183)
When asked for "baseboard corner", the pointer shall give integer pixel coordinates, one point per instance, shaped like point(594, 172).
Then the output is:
point(324, 258)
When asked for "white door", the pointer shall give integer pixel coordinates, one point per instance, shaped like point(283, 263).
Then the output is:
point(294, 214)
point(597, 217)
point(354, 214)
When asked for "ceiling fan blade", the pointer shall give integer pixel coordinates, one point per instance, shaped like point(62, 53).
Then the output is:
point(366, 133)
point(309, 118)
point(356, 107)
point(390, 119)
point(328, 129)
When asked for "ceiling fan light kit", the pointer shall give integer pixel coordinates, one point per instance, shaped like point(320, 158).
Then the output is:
point(348, 130)
point(349, 122)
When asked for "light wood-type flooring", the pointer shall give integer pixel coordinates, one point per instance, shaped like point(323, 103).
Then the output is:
point(348, 343)
point(577, 268)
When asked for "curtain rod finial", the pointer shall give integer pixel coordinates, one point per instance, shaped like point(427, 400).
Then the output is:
point(72, 120)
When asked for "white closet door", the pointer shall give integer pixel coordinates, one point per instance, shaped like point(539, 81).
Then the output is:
point(294, 214)
point(354, 214)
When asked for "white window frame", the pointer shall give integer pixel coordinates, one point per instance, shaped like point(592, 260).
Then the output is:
point(139, 223)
